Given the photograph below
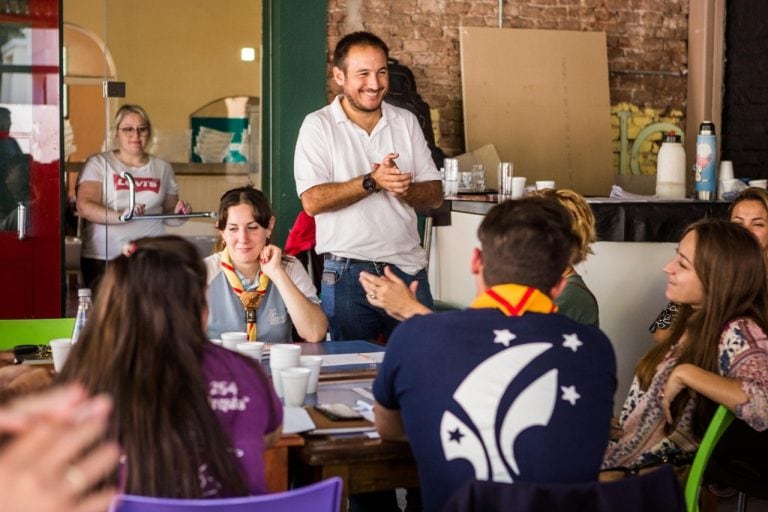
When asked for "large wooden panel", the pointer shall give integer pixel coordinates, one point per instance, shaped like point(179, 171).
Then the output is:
point(541, 97)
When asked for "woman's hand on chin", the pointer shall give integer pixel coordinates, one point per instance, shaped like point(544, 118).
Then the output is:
point(271, 260)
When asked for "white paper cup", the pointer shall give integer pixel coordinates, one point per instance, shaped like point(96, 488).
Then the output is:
point(295, 385)
point(282, 355)
point(726, 170)
point(60, 348)
point(252, 349)
point(544, 184)
point(313, 363)
point(231, 339)
point(518, 187)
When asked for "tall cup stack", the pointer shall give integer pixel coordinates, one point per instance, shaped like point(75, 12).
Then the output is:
point(282, 355)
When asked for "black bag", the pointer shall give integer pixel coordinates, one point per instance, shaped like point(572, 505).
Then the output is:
point(402, 93)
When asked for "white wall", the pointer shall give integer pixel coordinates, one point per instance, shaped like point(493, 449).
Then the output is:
point(625, 277)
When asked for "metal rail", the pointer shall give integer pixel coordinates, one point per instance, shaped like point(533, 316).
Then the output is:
point(132, 204)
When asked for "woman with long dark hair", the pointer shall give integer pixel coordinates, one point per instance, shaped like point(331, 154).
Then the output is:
point(716, 353)
point(192, 418)
point(750, 210)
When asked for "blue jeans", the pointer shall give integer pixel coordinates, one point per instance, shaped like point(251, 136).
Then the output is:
point(350, 316)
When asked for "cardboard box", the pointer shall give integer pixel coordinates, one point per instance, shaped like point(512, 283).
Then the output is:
point(485, 155)
point(541, 98)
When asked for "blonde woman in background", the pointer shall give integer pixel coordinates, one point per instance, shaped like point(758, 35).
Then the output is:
point(103, 194)
point(576, 301)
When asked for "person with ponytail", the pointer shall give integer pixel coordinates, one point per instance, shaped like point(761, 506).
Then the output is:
point(192, 419)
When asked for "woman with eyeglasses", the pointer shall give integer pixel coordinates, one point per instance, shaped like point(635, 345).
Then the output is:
point(103, 194)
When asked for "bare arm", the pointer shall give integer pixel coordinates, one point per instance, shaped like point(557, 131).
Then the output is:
point(723, 390)
point(389, 424)
point(425, 194)
point(308, 318)
point(172, 204)
point(329, 197)
point(90, 205)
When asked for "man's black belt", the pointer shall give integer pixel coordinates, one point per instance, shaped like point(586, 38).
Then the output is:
point(342, 259)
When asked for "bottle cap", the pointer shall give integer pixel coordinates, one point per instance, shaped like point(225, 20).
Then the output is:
point(707, 128)
point(84, 292)
point(672, 137)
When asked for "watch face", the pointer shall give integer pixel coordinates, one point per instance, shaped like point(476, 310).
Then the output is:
point(369, 183)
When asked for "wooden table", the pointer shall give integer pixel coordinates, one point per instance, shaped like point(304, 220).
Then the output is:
point(276, 462)
point(365, 465)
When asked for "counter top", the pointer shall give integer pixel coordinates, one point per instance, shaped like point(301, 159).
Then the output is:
point(620, 220)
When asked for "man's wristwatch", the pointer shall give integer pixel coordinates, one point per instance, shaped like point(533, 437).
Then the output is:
point(369, 183)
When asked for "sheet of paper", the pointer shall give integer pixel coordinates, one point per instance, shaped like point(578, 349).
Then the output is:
point(296, 419)
point(345, 359)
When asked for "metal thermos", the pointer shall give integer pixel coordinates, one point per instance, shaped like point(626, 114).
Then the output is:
point(670, 168)
point(705, 179)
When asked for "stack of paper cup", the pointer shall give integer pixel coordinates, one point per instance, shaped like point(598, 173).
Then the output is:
point(313, 363)
point(252, 349)
point(231, 339)
point(451, 166)
point(504, 171)
point(282, 355)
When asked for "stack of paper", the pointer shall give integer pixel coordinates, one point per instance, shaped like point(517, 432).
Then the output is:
point(212, 146)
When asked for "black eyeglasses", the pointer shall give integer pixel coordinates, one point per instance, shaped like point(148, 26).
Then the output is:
point(139, 130)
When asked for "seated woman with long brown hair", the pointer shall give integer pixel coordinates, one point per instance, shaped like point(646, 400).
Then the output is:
point(750, 210)
point(192, 418)
point(716, 353)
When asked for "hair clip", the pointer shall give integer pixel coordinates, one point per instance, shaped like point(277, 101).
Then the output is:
point(129, 249)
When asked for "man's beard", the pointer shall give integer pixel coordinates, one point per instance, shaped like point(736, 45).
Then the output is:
point(360, 107)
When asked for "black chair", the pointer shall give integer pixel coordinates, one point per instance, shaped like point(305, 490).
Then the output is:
point(656, 490)
point(740, 462)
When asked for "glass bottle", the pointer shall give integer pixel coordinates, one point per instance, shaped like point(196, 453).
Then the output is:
point(83, 309)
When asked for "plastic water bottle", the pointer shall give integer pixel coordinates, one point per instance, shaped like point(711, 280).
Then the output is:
point(670, 168)
point(83, 309)
point(706, 162)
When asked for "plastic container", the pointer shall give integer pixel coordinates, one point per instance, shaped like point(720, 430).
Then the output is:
point(705, 179)
point(83, 309)
point(670, 168)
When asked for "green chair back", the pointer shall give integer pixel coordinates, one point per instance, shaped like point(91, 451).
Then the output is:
point(33, 331)
point(719, 424)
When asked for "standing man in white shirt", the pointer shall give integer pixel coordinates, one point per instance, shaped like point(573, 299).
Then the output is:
point(361, 167)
